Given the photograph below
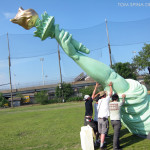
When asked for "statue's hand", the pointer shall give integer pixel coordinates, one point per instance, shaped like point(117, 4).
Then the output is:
point(69, 45)
point(64, 39)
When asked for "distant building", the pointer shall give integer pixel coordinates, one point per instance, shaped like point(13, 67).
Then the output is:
point(16, 101)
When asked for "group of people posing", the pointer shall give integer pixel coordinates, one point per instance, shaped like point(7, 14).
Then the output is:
point(107, 105)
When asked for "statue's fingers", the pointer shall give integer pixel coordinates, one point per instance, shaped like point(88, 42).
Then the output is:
point(65, 36)
point(61, 35)
point(69, 39)
point(80, 46)
point(84, 49)
point(57, 30)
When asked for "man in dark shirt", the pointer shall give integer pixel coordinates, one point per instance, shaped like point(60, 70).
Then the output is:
point(88, 105)
point(89, 110)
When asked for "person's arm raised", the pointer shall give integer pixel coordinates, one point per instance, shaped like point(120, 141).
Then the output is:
point(94, 91)
point(111, 91)
point(123, 98)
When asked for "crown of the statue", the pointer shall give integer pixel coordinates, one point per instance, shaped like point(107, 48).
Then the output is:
point(45, 27)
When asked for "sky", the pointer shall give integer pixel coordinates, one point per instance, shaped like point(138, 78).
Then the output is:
point(128, 23)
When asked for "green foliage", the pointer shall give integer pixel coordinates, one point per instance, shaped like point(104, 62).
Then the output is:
point(42, 97)
point(2, 100)
point(126, 70)
point(67, 91)
point(89, 90)
point(75, 98)
point(55, 100)
point(142, 60)
point(147, 79)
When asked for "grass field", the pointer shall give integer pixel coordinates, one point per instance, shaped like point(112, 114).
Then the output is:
point(52, 127)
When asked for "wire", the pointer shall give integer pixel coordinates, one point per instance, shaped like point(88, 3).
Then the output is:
point(34, 56)
point(99, 48)
point(90, 50)
point(130, 44)
point(30, 56)
point(4, 84)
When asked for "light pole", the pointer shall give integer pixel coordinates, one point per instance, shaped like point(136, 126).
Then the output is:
point(42, 59)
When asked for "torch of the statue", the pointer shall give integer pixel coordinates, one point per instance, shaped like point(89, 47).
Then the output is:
point(25, 18)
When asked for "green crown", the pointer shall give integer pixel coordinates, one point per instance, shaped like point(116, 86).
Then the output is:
point(45, 27)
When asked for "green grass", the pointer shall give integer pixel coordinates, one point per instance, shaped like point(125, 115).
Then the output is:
point(52, 127)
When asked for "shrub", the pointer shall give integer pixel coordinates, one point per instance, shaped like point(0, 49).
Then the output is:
point(42, 97)
point(3, 100)
point(55, 100)
point(75, 98)
point(67, 91)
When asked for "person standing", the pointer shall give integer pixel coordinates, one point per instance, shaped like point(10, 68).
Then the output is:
point(103, 113)
point(96, 120)
point(114, 108)
point(89, 109)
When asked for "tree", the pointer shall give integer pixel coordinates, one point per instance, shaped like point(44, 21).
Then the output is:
point(89, 90)
point(2, 100)
point(147, 79)
point(67, 90)
point(142, 60)
point(41, 97)
point(126, 70)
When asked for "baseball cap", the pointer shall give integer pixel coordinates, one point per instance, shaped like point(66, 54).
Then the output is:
point(86, 97)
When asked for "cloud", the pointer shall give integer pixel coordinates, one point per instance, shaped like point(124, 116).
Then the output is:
point(9, 15)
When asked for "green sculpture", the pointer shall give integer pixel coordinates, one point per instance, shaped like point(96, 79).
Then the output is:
point(136, 111)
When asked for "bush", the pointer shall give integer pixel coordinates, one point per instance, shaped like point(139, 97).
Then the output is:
point(75, 98)
point(147, 79)
point(55, 100)
point(42, 97)
point(2, 100)
point(89, 90)
point(67, 91)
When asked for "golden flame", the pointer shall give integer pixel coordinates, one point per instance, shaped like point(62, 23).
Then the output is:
point(25, 18)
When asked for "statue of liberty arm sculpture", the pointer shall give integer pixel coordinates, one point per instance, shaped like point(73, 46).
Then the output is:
point(135, 113)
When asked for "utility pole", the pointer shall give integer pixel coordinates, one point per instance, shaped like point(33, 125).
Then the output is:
point(61, 85)
point(10, 71)
point(42, 59)
point(108, 44)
